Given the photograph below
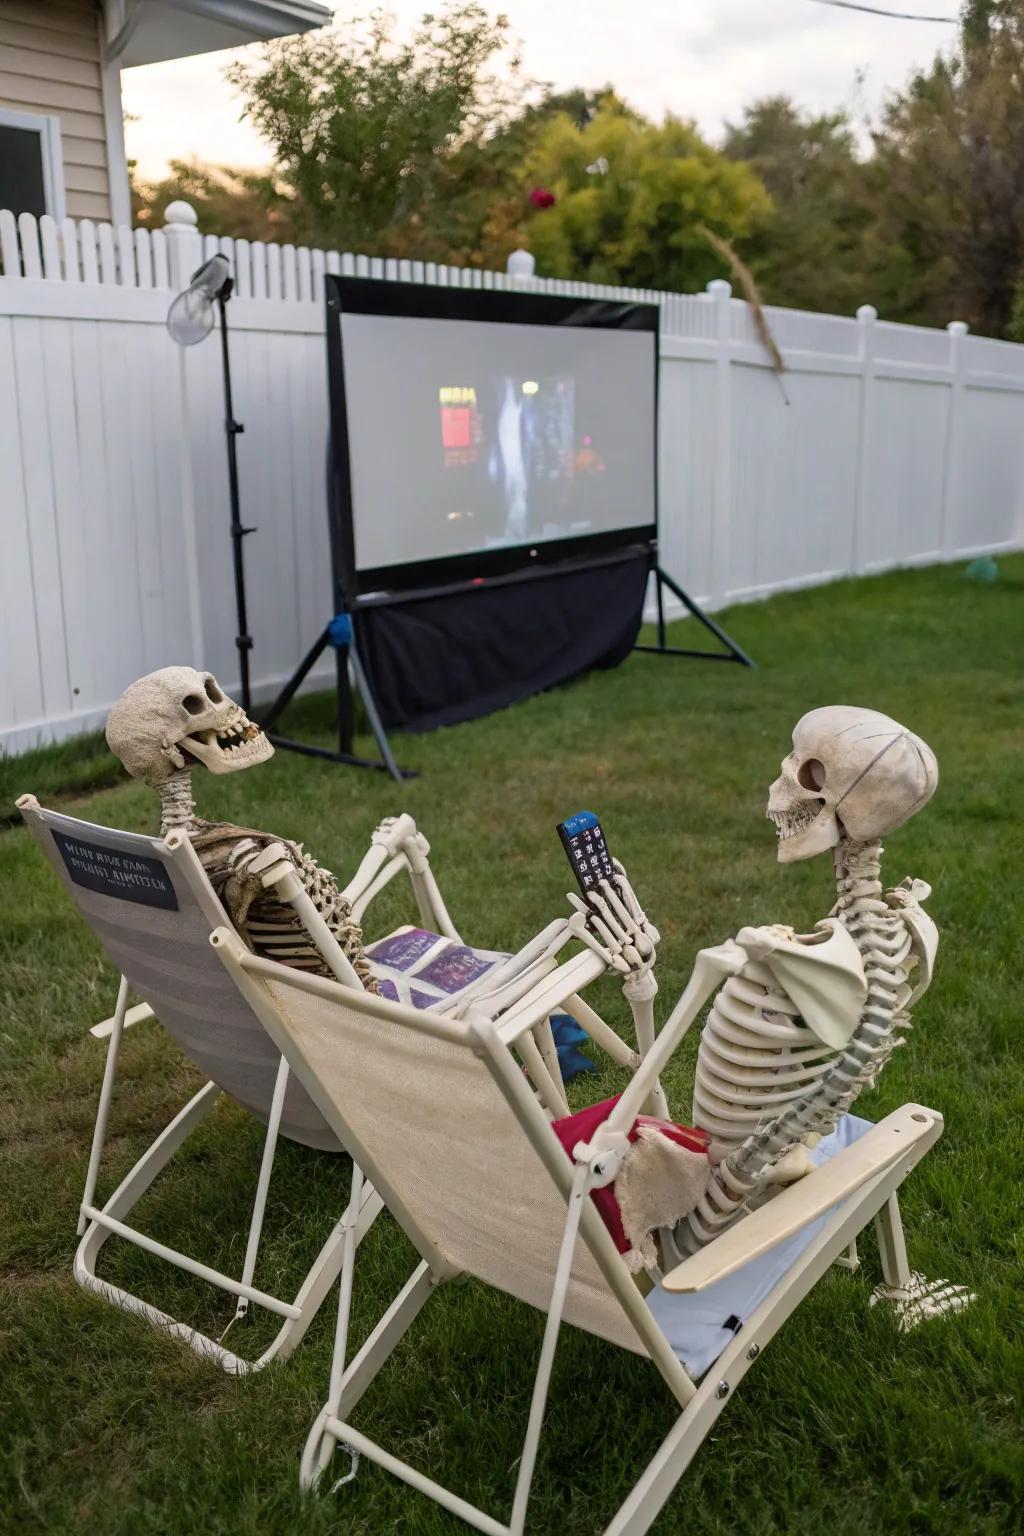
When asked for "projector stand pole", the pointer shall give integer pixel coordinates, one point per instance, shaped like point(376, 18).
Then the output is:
point(733, 652)
point(232, 428)
point(339, 635)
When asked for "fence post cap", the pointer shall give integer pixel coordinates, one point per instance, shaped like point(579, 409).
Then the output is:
point(520, 263)
point(180, 212)
point(719, 288)
point(867, 312)
point(957, 327)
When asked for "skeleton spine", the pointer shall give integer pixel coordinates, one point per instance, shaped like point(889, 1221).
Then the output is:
point(884, 943)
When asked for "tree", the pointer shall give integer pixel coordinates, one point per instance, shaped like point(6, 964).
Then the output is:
point(630, 197)
point(948, 184)
point(366, 129)
point(252, 204)
point(810, 250)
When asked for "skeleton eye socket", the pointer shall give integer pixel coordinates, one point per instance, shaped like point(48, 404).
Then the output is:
point(811, 774)
point(194, 703)
point(213, 693)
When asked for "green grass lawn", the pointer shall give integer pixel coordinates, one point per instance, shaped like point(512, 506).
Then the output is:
point(844, 1427)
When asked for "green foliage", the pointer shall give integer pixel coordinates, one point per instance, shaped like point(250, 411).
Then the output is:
point(630, 197)
point(108, 1428)
point(252, 205)
point(363, 126)
point(947, 184)
point(810, 250)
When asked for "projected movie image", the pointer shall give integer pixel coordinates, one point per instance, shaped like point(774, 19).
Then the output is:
point(503, 435)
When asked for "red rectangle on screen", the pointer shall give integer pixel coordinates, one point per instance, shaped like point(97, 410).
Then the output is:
point(455, 426)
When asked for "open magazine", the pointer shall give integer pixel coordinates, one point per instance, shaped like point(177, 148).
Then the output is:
point(422, 969)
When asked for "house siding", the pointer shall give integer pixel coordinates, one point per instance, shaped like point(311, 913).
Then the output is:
point(50, 63)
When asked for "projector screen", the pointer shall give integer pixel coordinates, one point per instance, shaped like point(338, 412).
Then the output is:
point(496, 431)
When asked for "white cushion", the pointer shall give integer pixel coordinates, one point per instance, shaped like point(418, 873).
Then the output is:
point(695, 1325)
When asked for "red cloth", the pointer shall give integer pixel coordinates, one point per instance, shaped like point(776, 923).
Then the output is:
point(581, 1127)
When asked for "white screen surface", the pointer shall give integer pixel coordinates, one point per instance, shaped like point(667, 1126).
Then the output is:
point(467, 435)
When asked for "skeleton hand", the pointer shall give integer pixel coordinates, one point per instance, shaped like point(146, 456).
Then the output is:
point(612, 922)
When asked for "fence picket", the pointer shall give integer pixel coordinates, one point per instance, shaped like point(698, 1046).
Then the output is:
point(304, 263)
point(318, 266)
point(289, 274)
point(274, 290)
point(28, 233)
point(10, 255)
point(258, 260)
point(50, 243)
point(241, 269)
point(69, 251)
point(108, 256)
point(143, 259)
point(161, 266)
point(125, 256)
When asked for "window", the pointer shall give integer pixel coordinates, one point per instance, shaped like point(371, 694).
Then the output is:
point(31, 164)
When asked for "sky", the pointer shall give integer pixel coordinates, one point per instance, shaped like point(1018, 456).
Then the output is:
point(700, 59)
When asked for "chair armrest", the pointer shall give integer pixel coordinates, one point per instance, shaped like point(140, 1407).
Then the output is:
point(137, 1015)
point(797, 1205)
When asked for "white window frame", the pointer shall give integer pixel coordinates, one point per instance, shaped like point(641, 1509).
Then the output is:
point(48, 129)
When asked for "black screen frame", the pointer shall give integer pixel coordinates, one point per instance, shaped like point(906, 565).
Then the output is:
point(381, 296)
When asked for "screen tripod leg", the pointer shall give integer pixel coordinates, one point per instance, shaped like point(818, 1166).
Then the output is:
point(379, 734)
point(733, 652)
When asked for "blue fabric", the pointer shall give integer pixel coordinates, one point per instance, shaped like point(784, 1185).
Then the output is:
point(568, 1037)
point(700, 1325)
point(339, 630)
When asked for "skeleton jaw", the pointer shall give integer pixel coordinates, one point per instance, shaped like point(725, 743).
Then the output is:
point(237, 744)
point(804, 829)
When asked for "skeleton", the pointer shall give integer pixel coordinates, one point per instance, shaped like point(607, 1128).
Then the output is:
point(162, 726)
point(805, 1022)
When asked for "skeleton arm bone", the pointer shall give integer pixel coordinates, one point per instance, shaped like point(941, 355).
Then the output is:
point(398, 845)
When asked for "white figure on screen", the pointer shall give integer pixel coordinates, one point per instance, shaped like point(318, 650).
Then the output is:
point(510, 442)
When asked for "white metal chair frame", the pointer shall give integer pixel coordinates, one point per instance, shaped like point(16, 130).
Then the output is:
point(858, 1184)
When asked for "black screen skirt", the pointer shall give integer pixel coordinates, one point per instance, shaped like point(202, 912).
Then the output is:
point(439, 660)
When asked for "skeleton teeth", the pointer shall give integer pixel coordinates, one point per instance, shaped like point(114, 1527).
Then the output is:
point(789, 823)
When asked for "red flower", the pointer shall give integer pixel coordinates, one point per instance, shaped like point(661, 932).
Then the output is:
point(540, 197)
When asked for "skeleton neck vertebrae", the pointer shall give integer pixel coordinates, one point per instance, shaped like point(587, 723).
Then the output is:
point(177, 805)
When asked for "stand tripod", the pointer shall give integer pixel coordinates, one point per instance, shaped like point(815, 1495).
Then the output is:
point(338, 634)
point(733, 652)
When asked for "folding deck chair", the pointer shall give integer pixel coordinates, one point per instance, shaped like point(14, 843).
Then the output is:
point(438, 1114)
point(150, 905)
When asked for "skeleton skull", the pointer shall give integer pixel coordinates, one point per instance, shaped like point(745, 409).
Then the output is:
point(852, 772)
point(170, 716)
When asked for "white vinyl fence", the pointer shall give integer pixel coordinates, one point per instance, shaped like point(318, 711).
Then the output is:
point(898, 445)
